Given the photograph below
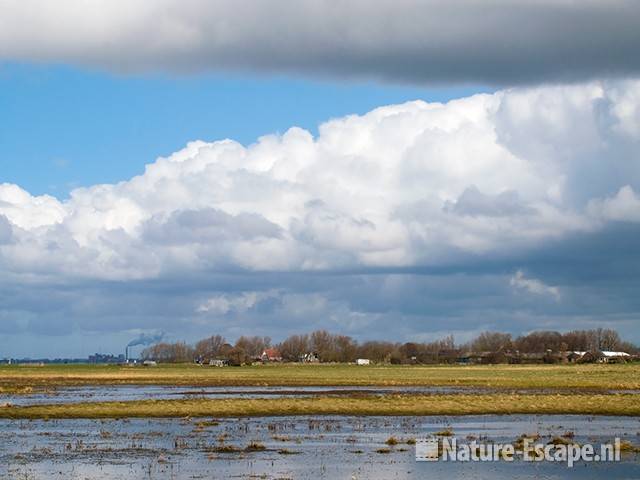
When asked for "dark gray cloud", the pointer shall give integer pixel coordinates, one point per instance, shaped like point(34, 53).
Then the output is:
point(361, 304)
point(467, 41)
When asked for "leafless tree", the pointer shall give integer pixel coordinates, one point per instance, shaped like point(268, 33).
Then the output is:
point(209, 347)
point(293, 347)
point(491, 342)
point(253, 346)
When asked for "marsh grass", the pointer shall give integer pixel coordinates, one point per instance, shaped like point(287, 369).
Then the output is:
point(207, 423)
point(286, 451)
point(560, 441)
point(255, 447)
point(224, 449)
point(628, 447)
point(530, 437)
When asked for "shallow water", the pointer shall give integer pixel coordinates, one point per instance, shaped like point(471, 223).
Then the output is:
point(105, 393)
point(326, 447)
point(168, 392)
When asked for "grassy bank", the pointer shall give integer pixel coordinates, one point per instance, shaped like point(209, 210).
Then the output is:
point(594, 404)
point(16, 377)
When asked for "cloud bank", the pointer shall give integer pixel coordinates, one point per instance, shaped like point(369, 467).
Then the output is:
point(422, 212)
point(469, 41)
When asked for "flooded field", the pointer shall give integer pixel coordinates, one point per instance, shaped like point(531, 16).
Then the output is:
point(292, 447)
point(333, 444)
point(165, 392)
point(106, 393)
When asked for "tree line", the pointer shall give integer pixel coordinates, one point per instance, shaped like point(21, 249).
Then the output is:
point(331, 347)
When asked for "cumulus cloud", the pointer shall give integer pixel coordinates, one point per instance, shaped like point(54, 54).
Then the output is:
point(624, 206)
point(495, 41)
point(295, 230)
point(409, 185)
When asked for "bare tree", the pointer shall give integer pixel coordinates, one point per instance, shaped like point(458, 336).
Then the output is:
point(608, 339)
point(209, 347)
point(379, 352)
point(293, 347)
point(537, 342)
point(346, 348)
point(322, 342)
point(169, 352)
point(491, 342)
point(253, 346)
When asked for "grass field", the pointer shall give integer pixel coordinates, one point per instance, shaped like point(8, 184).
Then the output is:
point(590, 404)
point(568, 389)
point(16, 378)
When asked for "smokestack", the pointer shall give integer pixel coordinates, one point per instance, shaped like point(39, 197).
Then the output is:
point(126, 354)
point(144, 339)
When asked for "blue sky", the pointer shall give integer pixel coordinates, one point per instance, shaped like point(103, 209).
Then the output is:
point(64, 127)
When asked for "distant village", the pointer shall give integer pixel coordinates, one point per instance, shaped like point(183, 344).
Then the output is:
point(578, 346)
point(321, 346)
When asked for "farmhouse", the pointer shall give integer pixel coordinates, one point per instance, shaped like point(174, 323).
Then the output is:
point(605, 356)
point(613, 357)
point(310, 357)
point(271, 355)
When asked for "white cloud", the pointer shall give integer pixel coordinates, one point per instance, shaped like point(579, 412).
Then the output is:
point(26, 211)
point(503, 41)
point(403, 186)
point(226, 303)
point(531, 285)
point(624, 206)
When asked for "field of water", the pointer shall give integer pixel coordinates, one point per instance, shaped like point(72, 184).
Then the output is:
point(292, 447)
point(123, 393)
point(166, 392)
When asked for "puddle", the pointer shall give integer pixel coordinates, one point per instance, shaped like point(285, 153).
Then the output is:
point(294, 447)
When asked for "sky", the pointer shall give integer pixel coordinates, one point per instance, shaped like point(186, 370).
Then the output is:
point(102, 127)
point(195, 168)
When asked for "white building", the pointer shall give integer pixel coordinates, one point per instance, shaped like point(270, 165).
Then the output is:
point(363, 361)
point(608, 356)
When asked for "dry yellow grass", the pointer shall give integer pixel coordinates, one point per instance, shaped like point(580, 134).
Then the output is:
point(497, 376)
point(592, 404)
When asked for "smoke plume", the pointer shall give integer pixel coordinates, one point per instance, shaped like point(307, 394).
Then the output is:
point(146, 339)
